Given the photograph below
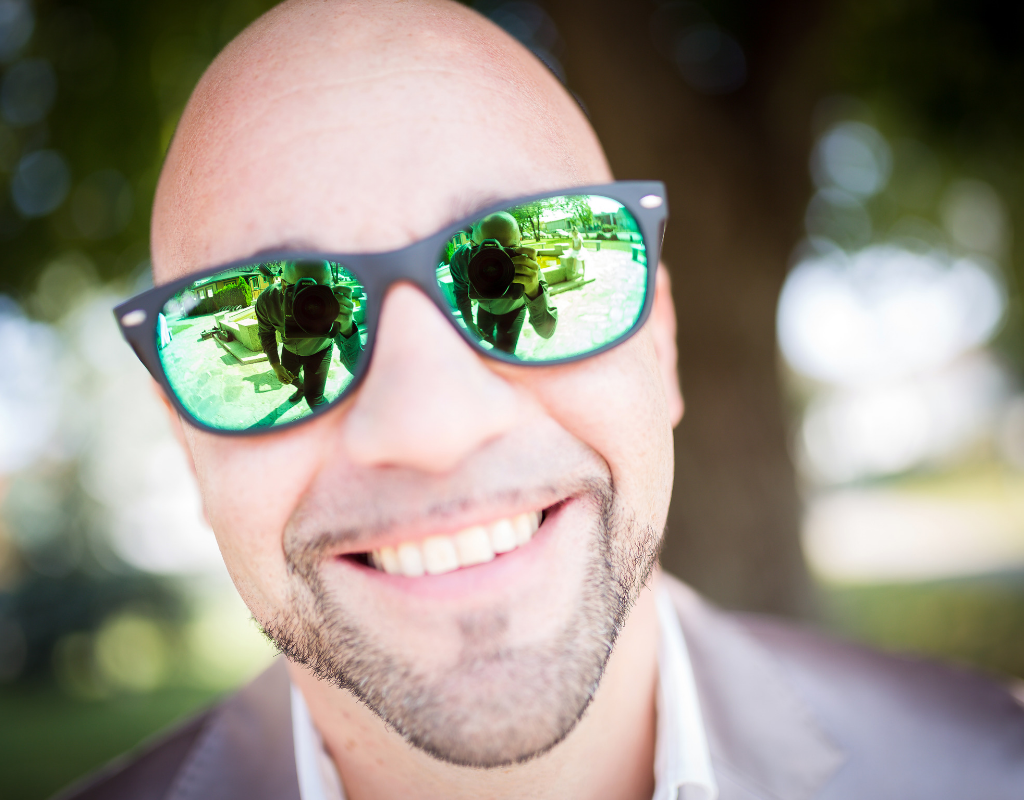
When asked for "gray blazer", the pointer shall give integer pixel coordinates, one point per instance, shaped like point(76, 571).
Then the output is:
point(790, 715)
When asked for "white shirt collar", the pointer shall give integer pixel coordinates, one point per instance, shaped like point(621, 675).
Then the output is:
point(682, 761)
point(318, 777)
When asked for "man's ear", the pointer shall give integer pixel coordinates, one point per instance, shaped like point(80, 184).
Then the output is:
point(662, 323)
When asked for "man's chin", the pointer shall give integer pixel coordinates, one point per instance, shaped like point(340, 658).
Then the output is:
point(480, 693)
point(493, 703)
point(499, 710)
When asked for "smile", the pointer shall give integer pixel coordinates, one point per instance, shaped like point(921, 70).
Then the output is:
point(478, 544)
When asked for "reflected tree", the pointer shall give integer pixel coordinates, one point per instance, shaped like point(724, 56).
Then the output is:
point(530, 216)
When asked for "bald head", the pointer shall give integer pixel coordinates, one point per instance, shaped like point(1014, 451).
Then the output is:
point(280, 149)
point(501, 226)
point(294, 271)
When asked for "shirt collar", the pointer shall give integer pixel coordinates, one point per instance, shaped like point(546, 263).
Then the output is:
point(682, 760)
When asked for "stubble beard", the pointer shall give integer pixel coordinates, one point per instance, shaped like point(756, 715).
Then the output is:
point(497, 705)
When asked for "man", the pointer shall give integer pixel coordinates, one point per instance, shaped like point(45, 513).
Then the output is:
point(310, 354)
point(499, 320)
point(567, 667)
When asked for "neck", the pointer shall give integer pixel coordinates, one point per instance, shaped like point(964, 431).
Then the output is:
point(609, 754)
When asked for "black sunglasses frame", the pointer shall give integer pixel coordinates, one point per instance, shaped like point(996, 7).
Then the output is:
point(377, 272)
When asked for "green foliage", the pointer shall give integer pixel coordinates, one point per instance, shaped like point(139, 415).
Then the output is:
point(40, 720)
point(529, 215)
point(124, 71)
point(579, 208)
point(240, 283)
point(979, 621)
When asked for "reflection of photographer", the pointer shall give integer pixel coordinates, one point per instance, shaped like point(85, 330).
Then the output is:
point(505, 280)
point(311, 314)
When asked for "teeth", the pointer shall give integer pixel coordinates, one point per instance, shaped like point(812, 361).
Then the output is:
point(473, 546)
point(439, 554)
point(410, 562)
point(503, 536)
point(525, 525)
point(387, 559)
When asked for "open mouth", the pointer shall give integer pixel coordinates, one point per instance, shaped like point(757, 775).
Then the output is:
point(436, 555)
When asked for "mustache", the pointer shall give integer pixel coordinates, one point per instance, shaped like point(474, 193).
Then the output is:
point(347, 507)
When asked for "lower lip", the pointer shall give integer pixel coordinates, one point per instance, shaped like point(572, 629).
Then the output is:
point(504, 570)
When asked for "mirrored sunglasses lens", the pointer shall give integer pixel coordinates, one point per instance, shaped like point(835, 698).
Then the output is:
point(551, 279)
point(263, 344)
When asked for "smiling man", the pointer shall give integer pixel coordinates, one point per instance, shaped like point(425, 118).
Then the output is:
point(459, 562)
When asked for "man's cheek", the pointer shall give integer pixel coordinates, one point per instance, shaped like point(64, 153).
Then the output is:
point(250, 488)
point(608, 400)
point(615, 403)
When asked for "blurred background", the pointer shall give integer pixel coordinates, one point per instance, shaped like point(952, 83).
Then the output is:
point(845, 184)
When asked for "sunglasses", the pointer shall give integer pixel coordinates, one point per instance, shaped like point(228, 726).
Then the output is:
point(272, 340)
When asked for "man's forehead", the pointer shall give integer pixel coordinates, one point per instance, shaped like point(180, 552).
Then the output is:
point(367, 143)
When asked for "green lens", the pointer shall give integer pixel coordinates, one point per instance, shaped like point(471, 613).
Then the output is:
point(546, 280)
point(263, 344)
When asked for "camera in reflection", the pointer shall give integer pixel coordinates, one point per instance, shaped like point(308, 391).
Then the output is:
point(491, 270)
point(310, 310)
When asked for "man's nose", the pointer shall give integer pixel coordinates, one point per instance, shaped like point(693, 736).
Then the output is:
point(428, 400)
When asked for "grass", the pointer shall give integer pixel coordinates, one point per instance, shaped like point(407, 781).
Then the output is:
point(48, 740)
point(976, 620)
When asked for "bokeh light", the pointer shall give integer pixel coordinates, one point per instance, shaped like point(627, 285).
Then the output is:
point(28, 91)
point(885, 323)
point(853, 157)
point(974, 217)
point(30, 394)
point(131, 652)
point(40, 183)
point(16, 25)
point(885, 312)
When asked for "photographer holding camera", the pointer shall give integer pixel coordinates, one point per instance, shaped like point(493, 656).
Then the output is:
point(504, 278)
point(311, 315)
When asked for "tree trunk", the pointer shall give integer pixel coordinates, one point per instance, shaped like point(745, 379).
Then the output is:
point(737, 177)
